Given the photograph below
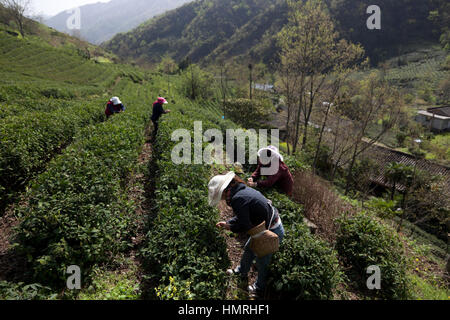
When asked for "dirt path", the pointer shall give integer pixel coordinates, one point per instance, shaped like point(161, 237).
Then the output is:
point(235, 249)
point(141, 192)
point(12, 266)
point(141, 189)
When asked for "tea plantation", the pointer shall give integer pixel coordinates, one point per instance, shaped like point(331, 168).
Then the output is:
point(65, 173)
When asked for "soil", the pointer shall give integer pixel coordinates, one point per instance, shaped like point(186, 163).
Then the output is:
point(12, 266)
point(141, 192)
point(235, 248)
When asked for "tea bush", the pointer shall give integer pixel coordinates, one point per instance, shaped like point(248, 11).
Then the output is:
point(362, 241)
point(305, 267)
point(290, 211)
point(21, 291)
point(248, 113)
point(57, 93)
point(183, 242)
point(30, 139)
point(77, 212)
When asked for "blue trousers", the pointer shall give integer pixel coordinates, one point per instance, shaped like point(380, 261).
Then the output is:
point(261, 263)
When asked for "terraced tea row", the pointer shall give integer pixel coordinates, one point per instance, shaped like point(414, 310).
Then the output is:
point(31, 58)
point(183, 249)
point(29, 139)
point(77, 211)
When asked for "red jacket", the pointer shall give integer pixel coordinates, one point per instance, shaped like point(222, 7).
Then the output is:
point(283, 179)
point(112, 109)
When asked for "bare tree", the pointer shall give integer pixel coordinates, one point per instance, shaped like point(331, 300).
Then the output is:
point(311, 49)
point(369, 104)
point(374, 101)
point(289, 82)
point(16, 10)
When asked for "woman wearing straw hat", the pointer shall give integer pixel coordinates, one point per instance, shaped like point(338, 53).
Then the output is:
point(252, 211)
point(114, 106)
point(282, 177)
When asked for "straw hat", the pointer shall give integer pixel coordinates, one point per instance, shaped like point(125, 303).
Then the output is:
point(216, 187)
point(275, 153)
point(116, 101)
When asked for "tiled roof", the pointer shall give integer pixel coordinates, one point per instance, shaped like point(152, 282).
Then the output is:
point(442, 111)
point(384, 156)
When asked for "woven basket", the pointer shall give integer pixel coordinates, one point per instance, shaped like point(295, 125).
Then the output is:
point(263, 242)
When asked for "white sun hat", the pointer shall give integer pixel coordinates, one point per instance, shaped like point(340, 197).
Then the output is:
point(216, 187)
point(275, 153)
point(116, 101)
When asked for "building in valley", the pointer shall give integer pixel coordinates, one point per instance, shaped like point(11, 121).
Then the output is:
point(436, 119)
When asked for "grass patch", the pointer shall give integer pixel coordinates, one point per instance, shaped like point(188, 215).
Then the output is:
point(421, 289)
point(113, 285)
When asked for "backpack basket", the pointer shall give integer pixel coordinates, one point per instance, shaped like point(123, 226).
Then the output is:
point(264, 242)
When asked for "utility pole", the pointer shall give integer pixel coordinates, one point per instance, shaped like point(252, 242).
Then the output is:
point(250, 67)
point(223, 86)
point(405, 206)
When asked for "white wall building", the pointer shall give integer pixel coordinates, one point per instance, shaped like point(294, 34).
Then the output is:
point(436, 119)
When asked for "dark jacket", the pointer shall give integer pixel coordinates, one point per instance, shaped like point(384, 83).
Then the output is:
point(158, 111)
point(111, 108)
point(251, 209)
point(283, 178)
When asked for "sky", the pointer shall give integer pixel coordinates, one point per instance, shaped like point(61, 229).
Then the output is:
point(53, 7)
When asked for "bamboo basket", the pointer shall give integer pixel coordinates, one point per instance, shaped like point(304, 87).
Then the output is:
point(263, 242)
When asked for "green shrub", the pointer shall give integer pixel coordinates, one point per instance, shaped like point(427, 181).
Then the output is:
point(401, 138)
point(383, 208)
point(362, 241)
point(409, 98)
point(295, 163)
point(77, 211)
point(57, 93)
point(426, 92)
point(28, 140)
point(446, 64)
point(305, 268)
point(248, 113)
point(20, 291)
point(194, 259)
point(16, 91)
point(290, 211)
point(3, 96)
point(196, 83)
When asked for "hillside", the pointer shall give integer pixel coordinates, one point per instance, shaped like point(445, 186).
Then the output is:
point(53, 136)
point(206, 30)
point(195, 30)
point(43, 35)
point(101, 21)
point(78, 189)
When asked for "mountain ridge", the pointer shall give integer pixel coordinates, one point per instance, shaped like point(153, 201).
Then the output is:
point(205, 30)
point(101, 21)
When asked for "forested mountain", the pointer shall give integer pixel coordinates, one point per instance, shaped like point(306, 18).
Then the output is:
point(101, 21)
point(195, 30)
point(209, 29)
point(402, 22)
